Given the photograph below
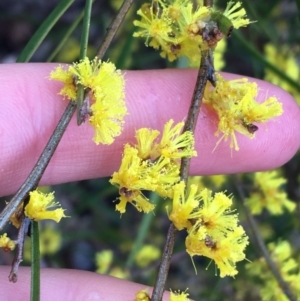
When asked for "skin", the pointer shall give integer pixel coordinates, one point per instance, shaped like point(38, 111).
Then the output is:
point(30, 109)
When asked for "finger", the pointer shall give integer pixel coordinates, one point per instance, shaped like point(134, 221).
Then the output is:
point(31, 109)
point(69, 285)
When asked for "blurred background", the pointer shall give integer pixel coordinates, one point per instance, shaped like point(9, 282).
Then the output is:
point(96, 237)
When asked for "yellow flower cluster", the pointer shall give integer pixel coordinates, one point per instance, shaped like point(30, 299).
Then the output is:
point(212, 228)
point(143, 295)
point(237, 110)
point(104, 263)
point(38, 205)
point(50, 241)
point(105, 89)
point(17, 216)
point(6, 243)
point(178, 29)
point(179, 296)
point(284, 58)
point(288, 267)
point(268, 194)
point(103, 260)
point(152, 165)
point(236, 14)
point(147, 255)
point(212, 182)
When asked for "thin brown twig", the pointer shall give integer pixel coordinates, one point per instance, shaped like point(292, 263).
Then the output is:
point(25, 223)
point(190, 125)
point(113, 28)
point(34, 177)
point(208, 3)
point(194, 109)
point(262, 247)
point(164, 266)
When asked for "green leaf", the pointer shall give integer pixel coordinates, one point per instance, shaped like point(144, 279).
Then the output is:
point(43, 30)
point(65, 37)
point(35, 262)
point(262, 59)
point(83, 49)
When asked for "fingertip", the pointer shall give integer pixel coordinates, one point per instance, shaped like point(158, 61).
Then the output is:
point(32, 108)
point(275, 143)
point(70, 285)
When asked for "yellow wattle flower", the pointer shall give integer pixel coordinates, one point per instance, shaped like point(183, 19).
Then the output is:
point(6, 243)
point(282, 255)
point(225, 251)
point(174, 144)
point(179, 28)
point(105, 90)
point(268, 194)
point(39, 204)
point(179, 296)
point(152, 165)
point(212, 227)
point(184, 209)
point(142, 295)
point(236, 14)
point(235, 104)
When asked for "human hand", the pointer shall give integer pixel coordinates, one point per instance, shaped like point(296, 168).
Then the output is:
point(69, 285)
point(31, 109)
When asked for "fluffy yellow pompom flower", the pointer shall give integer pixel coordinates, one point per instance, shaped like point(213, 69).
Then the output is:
point(284, 57)
point(164, 173)
point(50, 240)
point(282, 255)
point(224, 250)
point(104, 260)
point(38, 205)
point(105, 87)
point(147, 255)
point(132, 177)
point(64, 75)
point(136, 175)
point(174, 144)
point(184, 209)
point(6, 243)
point(180, 28)
point(216, 215)
point(145, 141)
point(17, 216)
point(152, 165)
point(179, 296)
point(154, 27)
point(212, 227)
point(268, 194)
point(237, 109)
point(236, 14)
point(211, 213)
point(142, 295)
